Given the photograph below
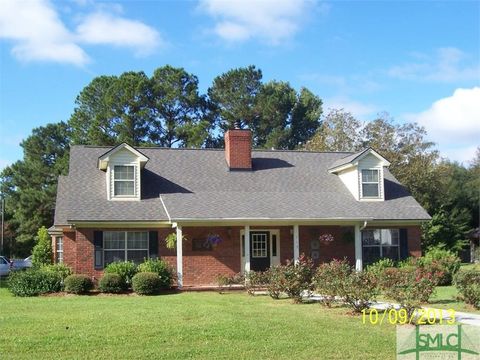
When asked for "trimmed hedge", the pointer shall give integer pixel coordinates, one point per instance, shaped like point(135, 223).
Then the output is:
point(160, 267)
point(111, 283)
point(61, 269)
point(126, 270)
point(33, 282)
point(146, 283)
point(78, 284)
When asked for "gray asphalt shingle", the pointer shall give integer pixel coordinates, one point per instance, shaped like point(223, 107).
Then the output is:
point(196, 184)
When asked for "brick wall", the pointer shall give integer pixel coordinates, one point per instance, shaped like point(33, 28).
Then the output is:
point(238, 149)
point(202, 267)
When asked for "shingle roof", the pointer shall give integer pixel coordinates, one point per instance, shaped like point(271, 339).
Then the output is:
point(196, 184)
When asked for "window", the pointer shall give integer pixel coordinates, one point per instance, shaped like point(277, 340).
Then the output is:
point(259, 245)
point(124, 180)
point(125, 246)
point(380, 243)
point(59, 249)
point(370, 183)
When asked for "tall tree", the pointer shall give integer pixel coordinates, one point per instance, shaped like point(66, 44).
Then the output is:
point(339, 131)
point(413, 158)
point(273, 106)
point(234, 94)
point(91, 119)
point(306, 116)
point(181, 116)
point(30, 185)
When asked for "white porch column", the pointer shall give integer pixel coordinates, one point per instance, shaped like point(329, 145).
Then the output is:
point(296, 243)
point(358, 249)
point(246, 234)
point(179, 257)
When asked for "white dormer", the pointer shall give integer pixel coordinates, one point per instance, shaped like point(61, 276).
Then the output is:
point(123, 166)
point(362, 174)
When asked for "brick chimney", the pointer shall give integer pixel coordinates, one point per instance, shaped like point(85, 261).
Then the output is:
point(238, 149)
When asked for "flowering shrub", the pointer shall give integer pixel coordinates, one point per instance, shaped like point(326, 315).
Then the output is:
point(337, 278)
point(298, 277)
point(276, 281)
point(442, 261)
point(329, 279)
point(468, 285)
point(360, 288)
point(408, 286)
point(226, 281)
point(256, 280)
point(378, 267)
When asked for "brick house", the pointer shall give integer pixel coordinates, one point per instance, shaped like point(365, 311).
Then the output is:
point(262, 206)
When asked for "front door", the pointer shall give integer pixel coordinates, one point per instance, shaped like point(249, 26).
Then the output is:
point(259, 250)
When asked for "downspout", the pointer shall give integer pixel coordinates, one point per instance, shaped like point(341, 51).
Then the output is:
point(364, 225)
point(165, 208)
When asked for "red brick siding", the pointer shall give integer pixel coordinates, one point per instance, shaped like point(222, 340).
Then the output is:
point(238, 149)
point(202, 267)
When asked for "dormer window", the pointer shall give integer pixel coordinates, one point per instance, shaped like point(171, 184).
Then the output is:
point(124, 180)
point(123, 167)
point(363, 174)
point(370, 183)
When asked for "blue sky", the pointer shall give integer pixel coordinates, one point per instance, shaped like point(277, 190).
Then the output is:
point(419, 61)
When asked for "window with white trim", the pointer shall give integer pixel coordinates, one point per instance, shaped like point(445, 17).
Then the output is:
point(370, 183)
point(125, 246)
point(124, 180)
point(380, 243)
point(59, 249)
point(259, 245)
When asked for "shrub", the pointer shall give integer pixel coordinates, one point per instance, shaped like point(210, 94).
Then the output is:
point(298, 277)
point(378, 267)
point(275, 281)
point(226, 281)
point(78, 284)
point(42, 251)
point(255, 280)
point(146, 283)
point(61, 269)
point(159, 267)
point(33, 282)
point(329, 280)
point(468, 285)
point(126, 270)
point(111, 283)
point(359, 290)
point(408, 286)
point(442, 261)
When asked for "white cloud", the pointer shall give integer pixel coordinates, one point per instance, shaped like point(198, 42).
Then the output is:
point(359, 110)
point(102, 28)
point(461, 154)
point(38, 34)
point(446, 65)
point(272, 21)
point(453, 122)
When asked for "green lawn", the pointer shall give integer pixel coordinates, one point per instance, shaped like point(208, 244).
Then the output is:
point(445, 297)
point(204, 325)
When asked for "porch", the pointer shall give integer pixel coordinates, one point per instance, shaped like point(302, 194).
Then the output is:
point(197, 263)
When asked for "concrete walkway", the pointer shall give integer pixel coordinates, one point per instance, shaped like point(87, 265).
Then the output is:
point(460, 317)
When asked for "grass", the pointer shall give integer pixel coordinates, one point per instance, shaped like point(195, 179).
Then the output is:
point(204, 325)
point(445, 297)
